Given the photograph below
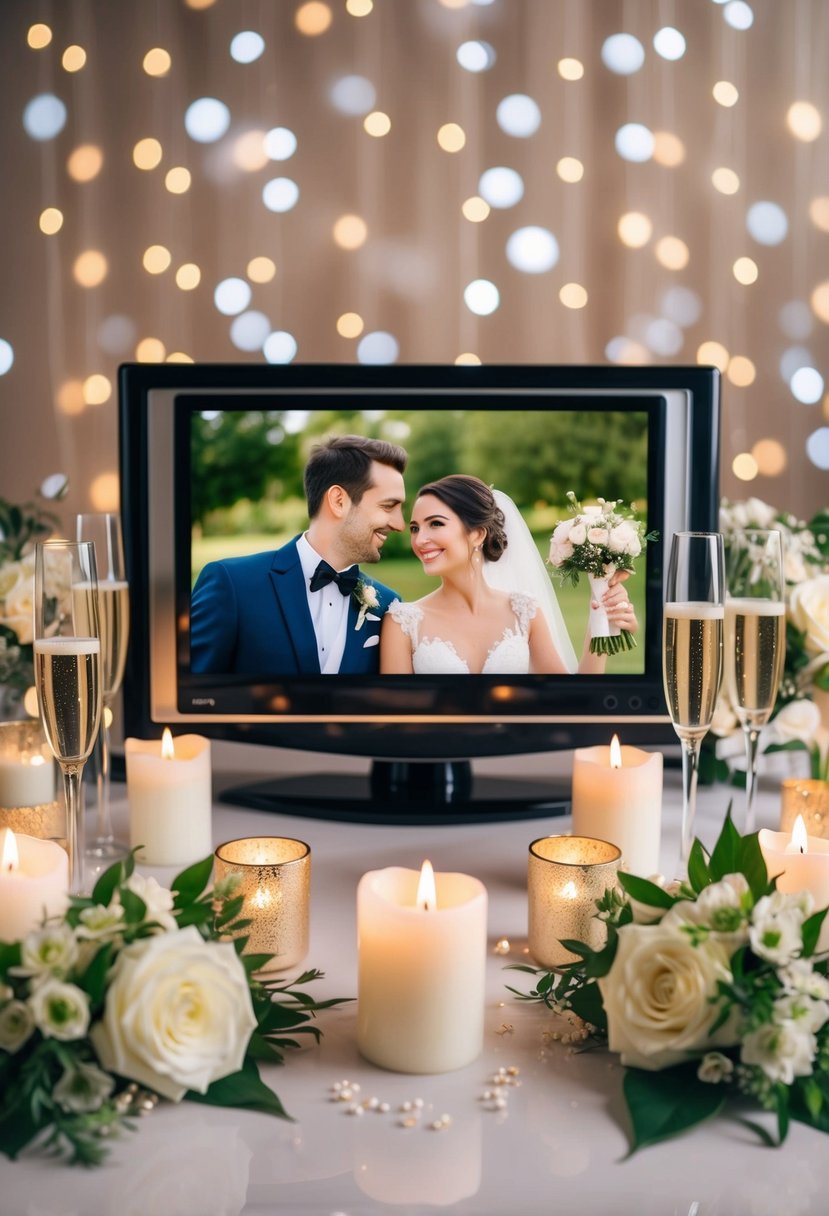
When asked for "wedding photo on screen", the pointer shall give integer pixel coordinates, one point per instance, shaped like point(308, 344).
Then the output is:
point(418, 501)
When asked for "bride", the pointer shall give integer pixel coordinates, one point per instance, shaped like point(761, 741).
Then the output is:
point(495, 611)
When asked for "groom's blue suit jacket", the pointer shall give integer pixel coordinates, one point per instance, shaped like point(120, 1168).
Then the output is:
point(250, 615)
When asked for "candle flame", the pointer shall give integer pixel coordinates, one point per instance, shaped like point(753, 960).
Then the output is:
point(168, 751)
point(37, 760)
point(427, 896)
point(9, 855)
point(615, 753)
point(568, 891)
point(800, 840)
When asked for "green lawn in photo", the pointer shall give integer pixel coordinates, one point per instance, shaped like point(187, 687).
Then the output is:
point(405, 575)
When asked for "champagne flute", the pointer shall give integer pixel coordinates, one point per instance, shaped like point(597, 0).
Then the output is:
point(103, 529)
point(755, 639)
point(692, 652)
point(67, 652)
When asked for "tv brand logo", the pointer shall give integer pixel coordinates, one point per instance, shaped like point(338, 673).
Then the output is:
point(202, 701)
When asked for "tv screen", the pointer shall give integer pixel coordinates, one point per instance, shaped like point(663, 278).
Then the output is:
point(214, 463)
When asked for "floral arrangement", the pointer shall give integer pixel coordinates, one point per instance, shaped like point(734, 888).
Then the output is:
point(131, 995)
point(801, 715)
point(599, 540)
point(20, 528)
point(711, 990)
point(367, 600)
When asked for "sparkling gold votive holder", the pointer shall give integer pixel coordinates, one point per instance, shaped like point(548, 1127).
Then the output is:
point(27, 782)
point(566, 875)
point(808, 797)
point(275, 883)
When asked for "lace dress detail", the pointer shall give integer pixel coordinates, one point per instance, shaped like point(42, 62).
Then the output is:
point(508, 655)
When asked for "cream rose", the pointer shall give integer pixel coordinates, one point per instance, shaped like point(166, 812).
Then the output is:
point(657, 996)
point(809, 610)
point(19, 608)
point(178, 1014)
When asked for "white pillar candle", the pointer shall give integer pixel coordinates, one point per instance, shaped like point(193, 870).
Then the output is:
point(617, 796)
point(170, 799)
point(799, 862)
point(34, 882)
point(422, 969)
point(26, 782)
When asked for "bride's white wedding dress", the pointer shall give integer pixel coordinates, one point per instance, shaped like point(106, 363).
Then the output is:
point(508, 655)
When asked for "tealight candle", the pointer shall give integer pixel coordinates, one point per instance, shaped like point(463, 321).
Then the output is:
point(422, 967)
point(170, 800)
point(617, 796)
point(566, 875)
point(275, 881)
point(27, 769)
point(798, 861)
point(34, 882)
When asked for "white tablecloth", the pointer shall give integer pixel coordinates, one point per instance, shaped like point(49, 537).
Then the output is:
point(559, 1147)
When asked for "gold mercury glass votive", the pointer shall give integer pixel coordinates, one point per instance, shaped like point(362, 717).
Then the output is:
point(808, 797)
point(27, 782)
point(565, 877)
point(275, 883)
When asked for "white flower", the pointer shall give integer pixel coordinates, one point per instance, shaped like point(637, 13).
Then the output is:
point(560, 552)
point(725, 720)
point(800, 976)
point(591, 512)
point(562, 530)
point(796, 722)
point(624, 539)
point(178, 1013)
point(597, 536)
point(61, 1011)
point(158, 900)
point(776, 926)
point(19, 609)
point(50, 951)
point(782, 1050)
point(658, 996)
point(795, 569)
point(83, 1088)
point(715, 1067)
point(578, 534)
point(367, 598)
point(801, 1011)
point(16, 1025)
point(722, 907)
point(99, 922)
point(759, 513)
point(809, 611)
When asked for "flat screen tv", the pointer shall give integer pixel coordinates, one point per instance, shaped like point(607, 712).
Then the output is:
point(212, 460)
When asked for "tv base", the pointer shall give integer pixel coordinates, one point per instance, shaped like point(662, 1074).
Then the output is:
point(405, 792)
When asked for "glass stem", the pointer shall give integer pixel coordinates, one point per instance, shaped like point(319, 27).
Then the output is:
point(752, 737)
point(690, 770)
point(74, 825)
point(104, 817)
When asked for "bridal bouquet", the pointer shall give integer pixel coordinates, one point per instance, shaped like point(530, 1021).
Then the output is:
point(801, 714)
point(712, 991)
point(597, 541)
point(131, 995)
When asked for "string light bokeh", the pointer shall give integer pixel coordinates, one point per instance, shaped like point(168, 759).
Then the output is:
point(416, 181)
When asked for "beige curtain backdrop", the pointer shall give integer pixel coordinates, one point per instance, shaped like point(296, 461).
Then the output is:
point(408, 276)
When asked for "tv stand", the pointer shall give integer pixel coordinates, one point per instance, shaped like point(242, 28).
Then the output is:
point(406, 792)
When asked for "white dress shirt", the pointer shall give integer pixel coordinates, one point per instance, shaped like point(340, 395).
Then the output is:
point(329, 611)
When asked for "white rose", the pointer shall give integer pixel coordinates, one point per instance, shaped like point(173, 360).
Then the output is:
point(578, 534)
point(51, 951)
point(178, 1013)
point(559, 553)
point(657, 996)
point(61, 1011)
point(760, 513)
point(10, 575)
point(370, 597)
point(796, 722)
point(592, 512)
point(20, 609)
point(16, 1025)
point(809, 610)
point(725, 720)
point(783, 1051)
point(563, 529)
point(83, 1088)
point(794, 567)
point(776, 926)
point(597, 536)
point(621, 538)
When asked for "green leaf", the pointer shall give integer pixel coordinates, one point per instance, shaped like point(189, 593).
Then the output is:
point(230, 911)
point(811, 931)
point(134, 907)
point(104, 888)
point(758, 1130)
point(244, 1089)
point(663, 1104)
point(725, 858)
point(93, 980)
point(190, 883)
point(9, 956)
point(587, 1003)
point(699, 873)
point(255, 962)
point(753, 865)
point(646, 892)
point(812, 1097)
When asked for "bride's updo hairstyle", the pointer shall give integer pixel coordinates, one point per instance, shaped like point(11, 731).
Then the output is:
point(474, 504)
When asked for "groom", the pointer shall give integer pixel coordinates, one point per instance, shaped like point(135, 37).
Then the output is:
point(307, 608)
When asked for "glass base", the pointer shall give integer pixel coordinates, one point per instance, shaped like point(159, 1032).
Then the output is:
point(105, 848)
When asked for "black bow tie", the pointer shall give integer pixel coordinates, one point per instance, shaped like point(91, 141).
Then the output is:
point(325, 574)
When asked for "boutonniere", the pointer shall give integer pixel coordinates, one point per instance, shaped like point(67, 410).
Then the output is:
point(367, 598)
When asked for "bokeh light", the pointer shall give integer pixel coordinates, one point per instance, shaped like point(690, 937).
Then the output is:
point(188, 276)
point(672, 253)
point(104, 492)
point(481, 297)
point(796, 319)
point(90, 268)
point(354, 95)
point(767, 223)
point(451, 137)
point(179, 356)
point(817, 447)
point(623, 54)
point(377, 124)
point(6, 356)
point(468, 359)
point(157, 62)
point(532, 250)
point(713, 354)
point(156, 259)
point(206, 120)
point(232, 296)
point(96, 389)
point(150, 350)
point(804, 121)
point(178, 180)
point(634, 142)
point(246, 46)
point(573, 295)
point(378, 347)
point(313, 18)
point(359, 8)
point(279, 347)
point(725, 93)
point(668, 149)
point(669, 43)
point(807, 385)
point(635, 229)
point(476, 56)
point(116, 334)
point(147, 154)
point(682, 305)
point(350, 232)
point(741, 371)
point(819, 300)
point(261, 269)
point(249, 151)
point(501, 187)
point(44, 117)
point(280, 143)
point(39, 36)
point(73, 59)
point(70, 399)
point(794, 357)
point(744, 466)
point(85, 163)
point(280, 194)
point(350, 325)
point(570, 169)
point(570, 69)
point(745, 271)
point(819, 212)
point(249, 331)
point(725, 180)
point(518, 115)
point(475, 209)
point(51, 220)
point(770, 457)
point(663, 337)
point(624, 350)
point(739, 15)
